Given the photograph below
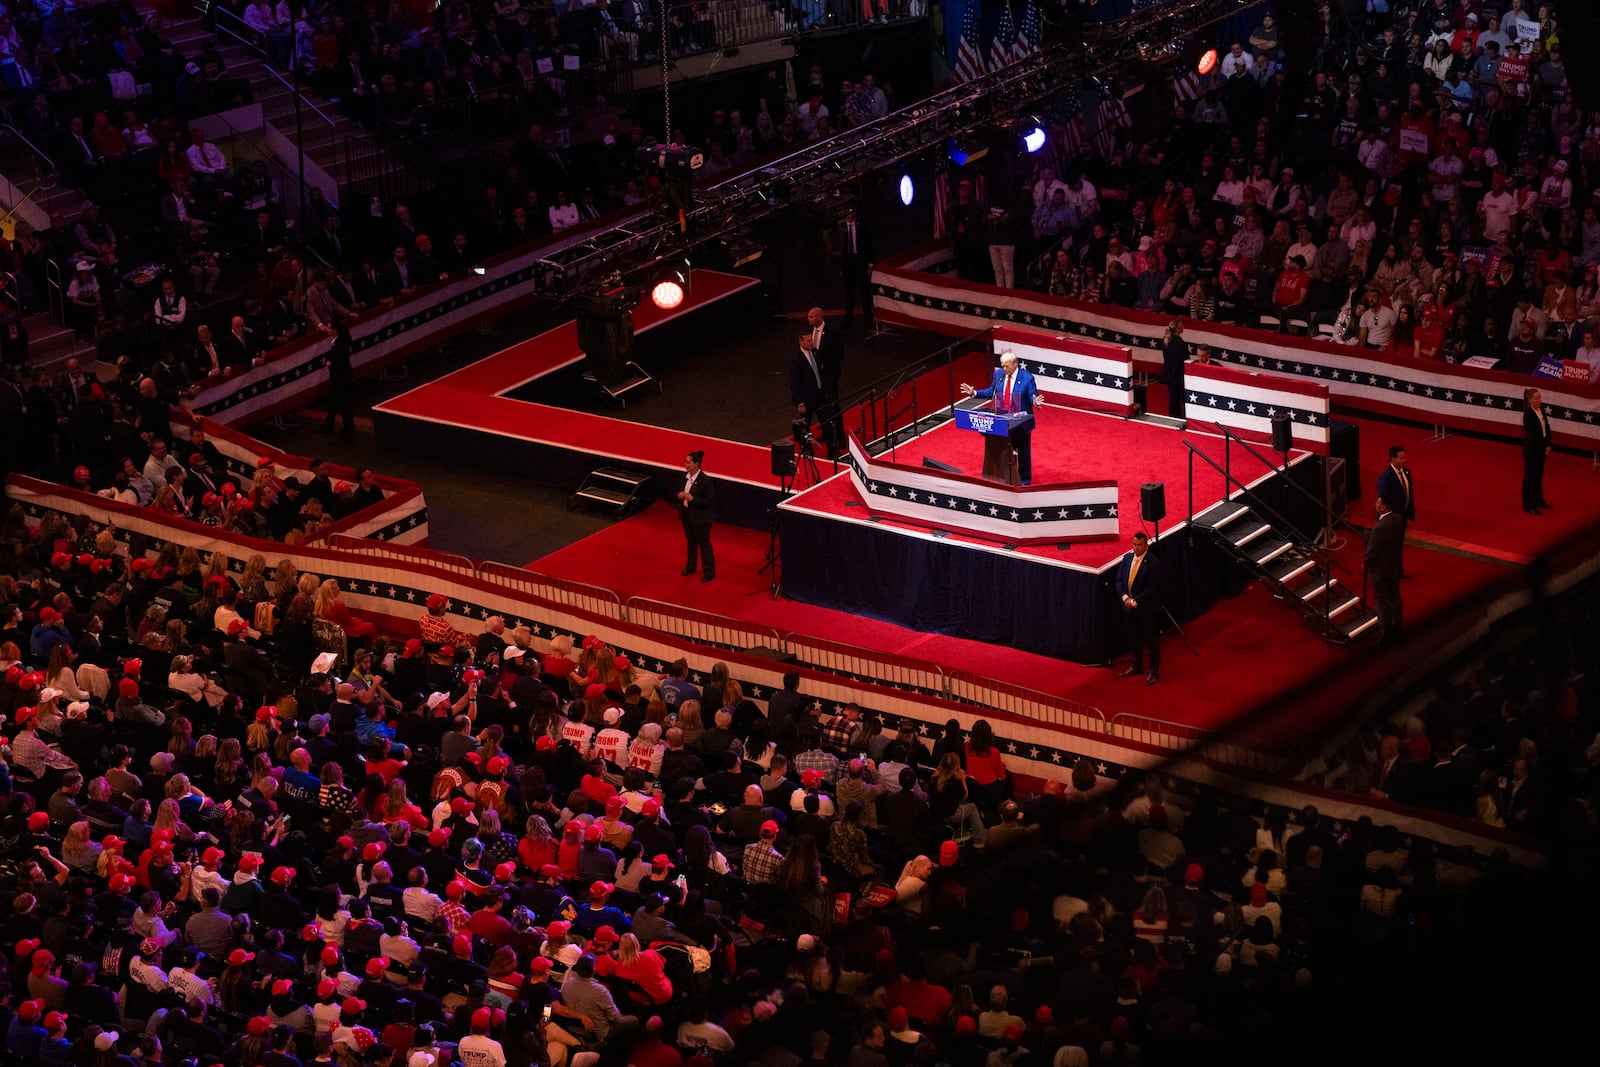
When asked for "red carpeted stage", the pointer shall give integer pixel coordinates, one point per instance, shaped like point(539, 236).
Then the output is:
point(1056, 599)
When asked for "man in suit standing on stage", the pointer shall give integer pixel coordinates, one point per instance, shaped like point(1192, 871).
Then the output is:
point(1013, 389)
point(1383, 567)
point(828, 348)
point(1395, 490)
point(855, 238)
point(1139, 590)
point(695, 502)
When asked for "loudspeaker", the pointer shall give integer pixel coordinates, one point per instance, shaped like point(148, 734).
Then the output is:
point(1282, 434)
point(933, 464)
point(783, 458)
point(1153, 501)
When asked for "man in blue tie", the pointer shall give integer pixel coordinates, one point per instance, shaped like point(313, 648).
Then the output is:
point(1013, 389)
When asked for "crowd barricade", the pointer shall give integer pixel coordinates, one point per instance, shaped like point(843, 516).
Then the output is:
point(594, 599)
point(702, 627)
point(392, 553)
point(967, 688)
point(855, 662)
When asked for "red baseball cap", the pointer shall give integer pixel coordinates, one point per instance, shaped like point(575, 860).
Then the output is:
point(239, 957)
point(601, 889)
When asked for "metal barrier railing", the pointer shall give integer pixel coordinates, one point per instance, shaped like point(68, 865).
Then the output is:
point(1025, 703)
point(701, 627)
point(380, 550)
point(854, 662)
point(591, 598)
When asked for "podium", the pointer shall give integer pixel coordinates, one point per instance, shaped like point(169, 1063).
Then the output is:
point(999, 456)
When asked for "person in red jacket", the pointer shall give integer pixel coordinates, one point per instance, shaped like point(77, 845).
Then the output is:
point(986, 768)
point(645, 968)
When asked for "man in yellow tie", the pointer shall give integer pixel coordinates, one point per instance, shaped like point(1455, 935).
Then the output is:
point(1138, 588)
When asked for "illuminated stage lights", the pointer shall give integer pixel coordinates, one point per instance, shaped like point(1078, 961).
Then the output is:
point(908, 191)
point(670, 285)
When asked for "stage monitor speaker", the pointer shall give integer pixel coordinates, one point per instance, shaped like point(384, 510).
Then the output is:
point(930, 462)
point(1282, 434)
point(783, 458)
point(1153, 501)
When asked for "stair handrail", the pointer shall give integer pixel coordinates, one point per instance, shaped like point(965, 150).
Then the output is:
point(35, 149)
point(1320, 560)
point(296, 92)
point(1296, 486)
point(1277, 520)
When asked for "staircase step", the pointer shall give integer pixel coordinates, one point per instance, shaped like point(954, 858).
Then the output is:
point(1287, 568)
point(604, 496)
point(1221, 514)
point(1350, 602)
point(1361, 622)
point(1245, 532)
point(1306, 592)
point(1267, 549)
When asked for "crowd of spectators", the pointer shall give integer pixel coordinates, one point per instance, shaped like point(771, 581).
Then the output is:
point(227, 840)
point(1507, 735)
point(1424, 186)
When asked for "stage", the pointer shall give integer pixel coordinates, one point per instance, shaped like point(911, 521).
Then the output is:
point(502, 412)
point(1053, 599)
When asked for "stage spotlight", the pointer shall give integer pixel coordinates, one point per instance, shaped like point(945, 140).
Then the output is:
point(670, 285)
point(1208, 61)
point(907, 190)
point(967, 149)
point(1033, 135)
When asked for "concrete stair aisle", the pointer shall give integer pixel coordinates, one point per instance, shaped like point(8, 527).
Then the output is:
point(324, 127)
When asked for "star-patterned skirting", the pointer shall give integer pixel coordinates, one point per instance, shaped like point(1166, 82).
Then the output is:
point(1084, 511)
point(912, 290)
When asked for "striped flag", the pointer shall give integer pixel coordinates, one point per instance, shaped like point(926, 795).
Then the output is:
point(1005, 39)
point(1187, 88)
point(1111, 113)
point(1028, 34)
point(969, 54)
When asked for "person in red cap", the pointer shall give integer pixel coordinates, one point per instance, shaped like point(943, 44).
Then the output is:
point(455, 916)
point(600, 911)
point(435, 627)
point(761, 856)
point(478, 1049)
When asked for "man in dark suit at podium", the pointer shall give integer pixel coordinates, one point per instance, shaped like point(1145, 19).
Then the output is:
point(1139, 590)
point(695, 502)
point(1013, 389)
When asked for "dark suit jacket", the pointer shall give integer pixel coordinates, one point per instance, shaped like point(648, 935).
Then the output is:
point(1535, 434)
point(1383, 548)
point(1146, 584)
point(1393, 492)
point(702, 498)
point(804, 386)
point(232, 352)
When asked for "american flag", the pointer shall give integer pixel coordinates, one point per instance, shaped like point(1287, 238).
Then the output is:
point(942, 198)
point(1028, 33)
point(1187, 88)
point(1005, 39)
point(1112, 113)
point(969, 54)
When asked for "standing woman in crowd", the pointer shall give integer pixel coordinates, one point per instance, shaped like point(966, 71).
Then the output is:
point(986, 767)
point(330, 607)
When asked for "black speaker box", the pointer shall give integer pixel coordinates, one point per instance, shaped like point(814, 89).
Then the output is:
point(783, 458)
point(1282, 434)
point(1153, 501)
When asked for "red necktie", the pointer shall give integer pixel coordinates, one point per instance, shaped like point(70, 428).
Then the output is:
point(1008, 393)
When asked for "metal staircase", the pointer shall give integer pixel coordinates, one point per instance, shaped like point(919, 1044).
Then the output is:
point(623, 491)
point(1300, 571)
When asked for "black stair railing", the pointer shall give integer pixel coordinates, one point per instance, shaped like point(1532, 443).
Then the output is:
point(1322, 563)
